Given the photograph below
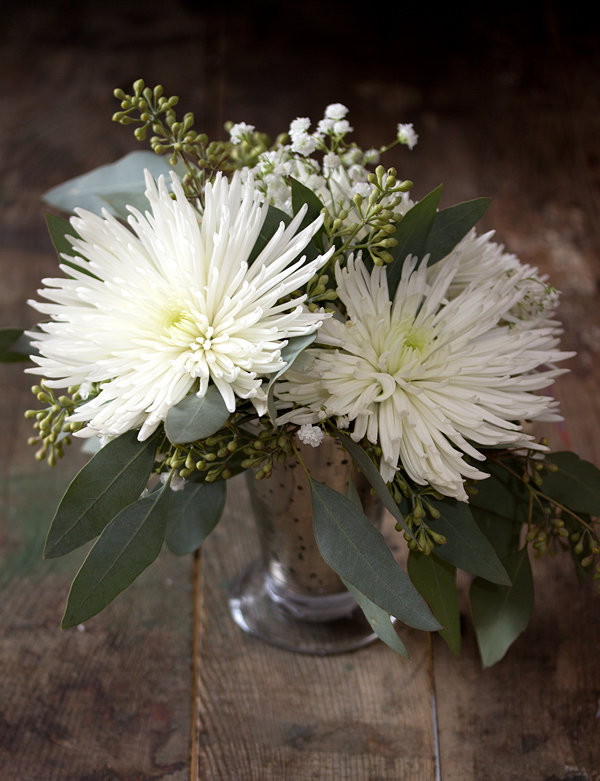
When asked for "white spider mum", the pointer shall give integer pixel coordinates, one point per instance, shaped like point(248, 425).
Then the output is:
point(175, 305)
point(424, 377)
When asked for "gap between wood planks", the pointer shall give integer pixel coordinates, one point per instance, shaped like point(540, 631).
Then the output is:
point(198, 598)
point(434, 716)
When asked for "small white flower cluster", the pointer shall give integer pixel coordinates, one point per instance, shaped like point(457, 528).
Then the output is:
point(303, 142)
point(240, 132)
point(310, 435)
point(406, 135)
point(336, 178)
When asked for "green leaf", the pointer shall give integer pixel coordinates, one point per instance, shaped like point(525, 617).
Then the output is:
point(128, 545)
point(59, 229)
point(503, 533)
point(436, 581)
point(381, 622)
point(451, 225)
point(370, 471)
point(412, 234)
point(196, 417)
point(501, 613)
point(576, 483)
point(124, 176)
point(193, 514)
point(354, 548)
point(9, 339)
point(269, 228)
point(295, 345)
point(301, 195)
point(117, 203)
point(502, 493)
point(112, 479)
point(466, 545)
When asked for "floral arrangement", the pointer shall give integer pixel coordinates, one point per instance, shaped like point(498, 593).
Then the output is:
point(220, 301)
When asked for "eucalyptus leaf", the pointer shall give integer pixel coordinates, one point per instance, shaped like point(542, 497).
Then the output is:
point(9, 337)
point(23, 345)
point(380, 621)
point(503, 533)
point(466, 545)
point(118, 202)
point(295, 345)
point(353, 547)
point(412, 234)
point(503, 493)
point(124, 176)
point(269, 228)
point(196, 417)
point(451, 225)
point(436, 581)
point(59, 229)
point(127, 546)
point(501, 613)
point(301, 194)
point(193, 514)
point(370, 471)
point(112, 479)
point(575, 483)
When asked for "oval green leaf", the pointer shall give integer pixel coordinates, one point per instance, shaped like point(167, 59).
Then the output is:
point(436, 581)
point(412, 234)
point(59, 229)
point(501, 613)
point(196, 417)
point(112, 479)
point(290, 352)
point(124, 176)
point(301, 195)
point(451, 225)
point(270, 226)
point(575, 483)
point(9, 340)
point(370, 471)
point(128, 545)
point(466, 545)
point(380, 621)
point(354, 548)
point(193, 514)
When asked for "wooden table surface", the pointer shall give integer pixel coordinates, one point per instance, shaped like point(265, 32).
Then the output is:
point(163, 685)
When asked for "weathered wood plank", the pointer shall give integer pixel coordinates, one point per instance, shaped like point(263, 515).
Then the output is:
point(535, 714)
point(266, 715)
point(113, 701)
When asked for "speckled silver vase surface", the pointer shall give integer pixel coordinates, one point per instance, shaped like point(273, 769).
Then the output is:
point(290, 597)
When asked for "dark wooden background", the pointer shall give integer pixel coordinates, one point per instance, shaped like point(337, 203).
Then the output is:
point(162, 685)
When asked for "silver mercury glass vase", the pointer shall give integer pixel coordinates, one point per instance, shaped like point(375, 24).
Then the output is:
point(290, 597)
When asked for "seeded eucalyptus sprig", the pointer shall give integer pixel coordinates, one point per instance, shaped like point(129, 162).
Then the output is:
point(151, 110)
point(230, 450)
point(52, 422)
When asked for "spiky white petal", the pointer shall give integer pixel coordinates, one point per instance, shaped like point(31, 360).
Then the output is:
point(426, 377)
point(174, 305)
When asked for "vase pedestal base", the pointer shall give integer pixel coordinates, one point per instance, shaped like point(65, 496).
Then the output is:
point(310, 625)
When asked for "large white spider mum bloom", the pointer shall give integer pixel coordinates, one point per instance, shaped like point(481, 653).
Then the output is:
point(175, 306)
point(424, 377)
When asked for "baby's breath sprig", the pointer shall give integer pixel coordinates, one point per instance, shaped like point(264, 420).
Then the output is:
point(52, 422)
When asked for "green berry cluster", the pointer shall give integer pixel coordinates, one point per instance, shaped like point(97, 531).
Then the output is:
point(228, 452)
point(52, 423)
point(375, 217)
